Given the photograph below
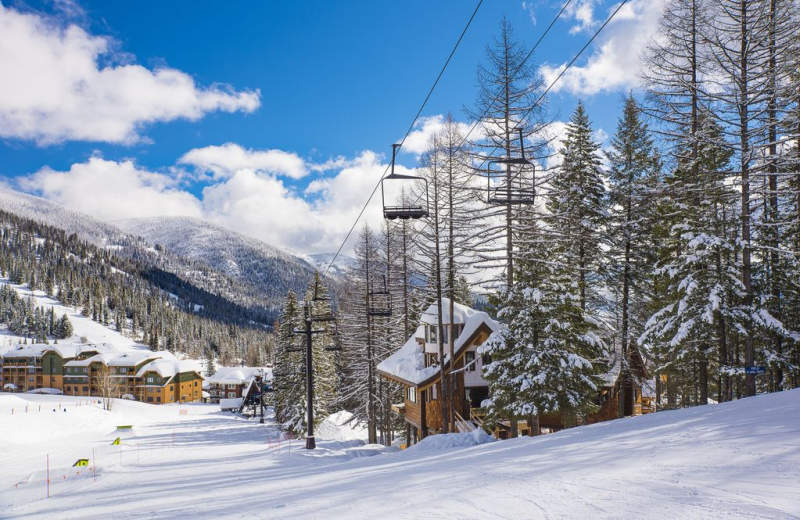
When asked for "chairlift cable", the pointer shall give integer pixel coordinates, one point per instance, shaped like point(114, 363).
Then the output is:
point(557, 78)
point(410, 127)
point(514, 73)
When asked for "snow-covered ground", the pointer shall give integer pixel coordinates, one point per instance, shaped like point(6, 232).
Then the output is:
point(734, 460)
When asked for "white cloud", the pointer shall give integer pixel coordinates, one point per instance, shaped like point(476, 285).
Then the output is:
point(110, 190)
point(616, 63)
point(55, 89)
point(419, 140)
point(258, 204)
point(583, 13)
point(224, 160)
point(314, 221)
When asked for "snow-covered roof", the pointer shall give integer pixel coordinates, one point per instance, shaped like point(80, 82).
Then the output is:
point(104, 358)
point(65, 350)
point(133, 358)
point(408, 363)
point(461, 313)
point(167, 366)
point(238, 375)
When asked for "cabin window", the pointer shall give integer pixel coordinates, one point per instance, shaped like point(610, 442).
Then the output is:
point(412, 394)
point(432, 334)
point(469, 360)
point(430, 359)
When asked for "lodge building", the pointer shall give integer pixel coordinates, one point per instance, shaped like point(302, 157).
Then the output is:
point(416, 367)
point(98, 369)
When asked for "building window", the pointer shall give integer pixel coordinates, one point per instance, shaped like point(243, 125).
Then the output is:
point(149, 399)
point(432, 334)
point(412, 394)
point(469, 360)
point(85, 388)
point(158, 399)
point(195, 383)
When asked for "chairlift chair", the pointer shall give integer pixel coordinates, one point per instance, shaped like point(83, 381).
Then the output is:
point(380, 301)
point(402, 208)
point(511, 190)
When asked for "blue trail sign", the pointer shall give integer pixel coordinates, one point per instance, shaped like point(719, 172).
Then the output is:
point(755, 370)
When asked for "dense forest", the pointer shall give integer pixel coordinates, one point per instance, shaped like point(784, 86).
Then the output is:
point(678, 239)
point(146, 303)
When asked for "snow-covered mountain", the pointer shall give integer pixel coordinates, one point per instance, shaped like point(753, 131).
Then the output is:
point(243, 270)
point(268, 270)
point(42, 210)
point(339, 267)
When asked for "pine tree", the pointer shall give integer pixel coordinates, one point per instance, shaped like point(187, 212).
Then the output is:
point(288, 370)
point(576, 205)
point(64, 329)
point(324, 359)
point(633, 166)
point(211, 369)
point(359, 390)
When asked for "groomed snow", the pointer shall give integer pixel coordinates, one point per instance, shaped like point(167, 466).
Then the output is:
point(738, 460)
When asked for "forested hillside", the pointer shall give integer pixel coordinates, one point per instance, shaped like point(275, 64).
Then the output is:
point(149, 304)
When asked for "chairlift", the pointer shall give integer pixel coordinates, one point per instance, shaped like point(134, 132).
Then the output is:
point(512, 189)
point(401, 207)
point(380, 301)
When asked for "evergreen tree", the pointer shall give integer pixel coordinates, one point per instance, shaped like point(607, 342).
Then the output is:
point(288, 371)
point(576, 206)
point(64, 328)
point(633, 166)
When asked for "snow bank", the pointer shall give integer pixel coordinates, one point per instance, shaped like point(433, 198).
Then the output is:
point(341, 427)
point(449, 441)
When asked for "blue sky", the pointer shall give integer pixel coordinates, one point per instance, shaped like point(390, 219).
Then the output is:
point(257, 111)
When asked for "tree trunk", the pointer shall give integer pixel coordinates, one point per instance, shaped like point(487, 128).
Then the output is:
point(744, 163)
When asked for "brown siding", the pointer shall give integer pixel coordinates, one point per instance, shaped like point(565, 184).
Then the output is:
point(412, 410)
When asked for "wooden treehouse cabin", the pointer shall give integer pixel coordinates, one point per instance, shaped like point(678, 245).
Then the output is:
point(416, 367)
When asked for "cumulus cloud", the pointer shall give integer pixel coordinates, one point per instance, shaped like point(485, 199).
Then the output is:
point(224, 160)
point(419, 140)
point(110, 190)
point(312, 221)
point(55, 89)
point(256, 203)
point(616, 63)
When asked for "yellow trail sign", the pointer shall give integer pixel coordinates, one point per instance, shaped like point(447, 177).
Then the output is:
point(116, 442)
point(81, 462)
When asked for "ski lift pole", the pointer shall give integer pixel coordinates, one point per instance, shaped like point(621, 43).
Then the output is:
point(310, 441)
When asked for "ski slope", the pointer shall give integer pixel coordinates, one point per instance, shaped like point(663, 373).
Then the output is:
point(733, 460)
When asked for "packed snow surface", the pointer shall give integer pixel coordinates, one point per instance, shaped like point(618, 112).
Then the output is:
point(736, 460)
